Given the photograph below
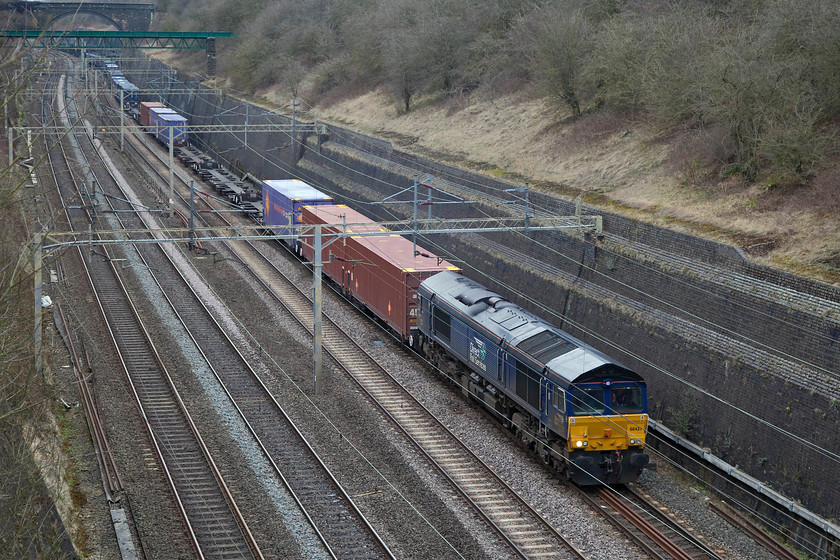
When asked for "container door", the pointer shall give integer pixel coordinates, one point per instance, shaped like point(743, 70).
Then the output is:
point(345, 278)
point(412, 301)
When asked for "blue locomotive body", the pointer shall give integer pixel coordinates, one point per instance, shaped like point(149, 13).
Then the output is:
point(578, 408)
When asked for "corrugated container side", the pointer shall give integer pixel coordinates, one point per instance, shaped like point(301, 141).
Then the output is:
point(376, 270)
point(278, 211)
point(165, 122)
point(144, 110)
point(153, 123)
point(282, 203)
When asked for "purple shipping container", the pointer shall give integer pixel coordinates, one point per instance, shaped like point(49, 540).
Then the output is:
point(282, 203)
point(153, 118)
point(160, 125)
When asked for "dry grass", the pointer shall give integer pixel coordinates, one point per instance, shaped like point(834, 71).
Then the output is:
point(669, 178)
point(622, 160)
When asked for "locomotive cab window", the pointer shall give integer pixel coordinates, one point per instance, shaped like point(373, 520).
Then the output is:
point(558, 399)
point(588, 400)
point(626, 399)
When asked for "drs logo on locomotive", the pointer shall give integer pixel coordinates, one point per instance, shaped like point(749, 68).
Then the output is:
point(478, 352)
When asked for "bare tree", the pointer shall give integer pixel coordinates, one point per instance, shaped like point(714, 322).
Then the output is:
point(29, 524)
point(556, 43)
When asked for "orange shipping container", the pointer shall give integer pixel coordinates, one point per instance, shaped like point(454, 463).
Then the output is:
point(382, 271)
point(144, 110)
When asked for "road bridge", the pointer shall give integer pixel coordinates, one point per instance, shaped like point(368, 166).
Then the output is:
point(125, 16)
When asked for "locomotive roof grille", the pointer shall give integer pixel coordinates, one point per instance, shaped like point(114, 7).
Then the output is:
point(546, 345)
point(531, 338)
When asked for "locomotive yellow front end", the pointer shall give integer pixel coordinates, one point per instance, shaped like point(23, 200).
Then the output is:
point(607, 433)
point(606, 448)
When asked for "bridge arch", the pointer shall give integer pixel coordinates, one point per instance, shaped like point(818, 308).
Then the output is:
point(53, 18)
point(130, 16)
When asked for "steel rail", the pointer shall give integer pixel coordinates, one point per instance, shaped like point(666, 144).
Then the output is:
point(333, 527)
point(158, 431)
point(734, 518)
point(522, 548)
point(660, 536)
point(111, 479)
point(87, 216)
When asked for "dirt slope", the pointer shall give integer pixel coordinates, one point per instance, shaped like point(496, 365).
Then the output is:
point(615, 163)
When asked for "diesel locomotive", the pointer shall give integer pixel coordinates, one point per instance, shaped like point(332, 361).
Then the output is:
point(580, 410)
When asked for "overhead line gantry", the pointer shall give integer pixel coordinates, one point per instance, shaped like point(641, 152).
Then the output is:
point(320, 240)
point(100, 40)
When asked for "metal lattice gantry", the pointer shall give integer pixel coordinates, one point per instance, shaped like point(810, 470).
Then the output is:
point(54, 239)
point(93, 40)
point(320, 239)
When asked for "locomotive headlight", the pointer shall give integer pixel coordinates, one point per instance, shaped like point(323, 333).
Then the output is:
point(632, 441)
point(579, 443)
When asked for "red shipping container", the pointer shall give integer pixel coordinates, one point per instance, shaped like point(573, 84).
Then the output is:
point(144, 110)
point(382, 271)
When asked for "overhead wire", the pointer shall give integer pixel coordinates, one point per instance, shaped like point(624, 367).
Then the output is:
point(581, 327)
point(598, 272)
point(354, 446)
point(385, 183)
point(821, 450)
point(535, 204)
point(280, 164)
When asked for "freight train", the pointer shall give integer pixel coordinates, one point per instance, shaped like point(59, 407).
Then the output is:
point(162, 122)
point(580, 410)
point(124, 89)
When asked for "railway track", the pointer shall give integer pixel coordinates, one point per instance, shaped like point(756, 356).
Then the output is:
point(379, 393)
point(341, 526)
point(214, 525)
point(660, 535)
point(527, 533)
point(742, 523)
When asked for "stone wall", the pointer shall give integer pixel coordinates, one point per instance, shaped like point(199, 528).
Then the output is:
point(734, 354)
point(719, 355)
